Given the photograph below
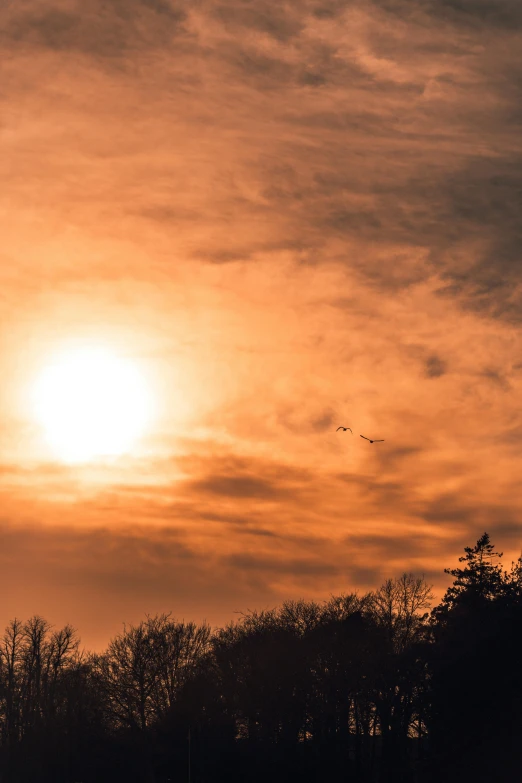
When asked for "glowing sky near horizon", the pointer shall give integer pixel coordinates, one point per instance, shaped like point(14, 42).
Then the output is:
point(276, 218)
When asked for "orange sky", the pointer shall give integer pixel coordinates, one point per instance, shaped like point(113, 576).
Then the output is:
point(290, 216)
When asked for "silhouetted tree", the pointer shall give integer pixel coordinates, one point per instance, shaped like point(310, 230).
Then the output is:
point(396, 608)
point(367, 689)
point(35, 664)
point(475, 680)
point(480, 580)
point(141, 675)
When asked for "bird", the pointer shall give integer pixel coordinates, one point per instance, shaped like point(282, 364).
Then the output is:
point(344, 429)
point(372, 441)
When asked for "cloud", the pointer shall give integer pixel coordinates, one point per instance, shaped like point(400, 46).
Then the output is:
point(390, 547)
point(282, 22)
point(468, 516)
point(99, 577)
point(238, 487)
point(432, 174)
point(505, 14)
point(304, 214)
point(293, 567)
point(104, 30)
point(496, 377)
point(366, 577)
point(435, 367)
point(236, 477)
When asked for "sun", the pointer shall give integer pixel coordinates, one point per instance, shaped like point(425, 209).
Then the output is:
point(91, 403)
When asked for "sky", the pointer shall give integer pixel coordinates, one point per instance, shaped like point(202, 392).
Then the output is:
point(287, 216)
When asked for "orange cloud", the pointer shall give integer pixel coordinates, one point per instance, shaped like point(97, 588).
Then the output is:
point(292, 217)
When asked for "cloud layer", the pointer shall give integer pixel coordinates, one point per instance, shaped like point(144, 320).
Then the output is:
point(294, 216)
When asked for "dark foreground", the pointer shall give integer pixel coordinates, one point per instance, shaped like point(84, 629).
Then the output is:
point(369, 689)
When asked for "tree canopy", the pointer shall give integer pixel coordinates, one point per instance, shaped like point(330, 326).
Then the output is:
point(366, 688)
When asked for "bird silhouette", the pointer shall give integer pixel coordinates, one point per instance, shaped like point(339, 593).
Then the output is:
point(344, 429)
point(372, 441)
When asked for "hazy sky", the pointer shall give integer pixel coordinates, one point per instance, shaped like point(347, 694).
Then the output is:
point(290, 216)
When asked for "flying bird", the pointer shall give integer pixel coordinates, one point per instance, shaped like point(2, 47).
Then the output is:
point(344, 429)
point(372, 441)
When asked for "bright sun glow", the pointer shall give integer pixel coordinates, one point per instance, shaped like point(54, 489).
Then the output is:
point(91, 403)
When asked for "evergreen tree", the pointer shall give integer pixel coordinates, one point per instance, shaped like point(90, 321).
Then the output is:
point(474, 680)
point(481, 579)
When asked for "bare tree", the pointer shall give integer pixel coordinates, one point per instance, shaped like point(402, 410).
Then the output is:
point(396, 607)
point(145, 667)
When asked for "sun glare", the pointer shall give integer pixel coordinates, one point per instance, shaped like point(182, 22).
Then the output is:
point(92, 403)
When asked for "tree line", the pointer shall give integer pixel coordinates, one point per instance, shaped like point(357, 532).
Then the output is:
point(370, 688)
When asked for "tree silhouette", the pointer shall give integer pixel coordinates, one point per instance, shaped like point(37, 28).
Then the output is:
point(479, 580)
point(476, 642)
point(36, 665)
point(362, 688)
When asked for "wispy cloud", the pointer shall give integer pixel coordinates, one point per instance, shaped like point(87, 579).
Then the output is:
point(296, 215)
